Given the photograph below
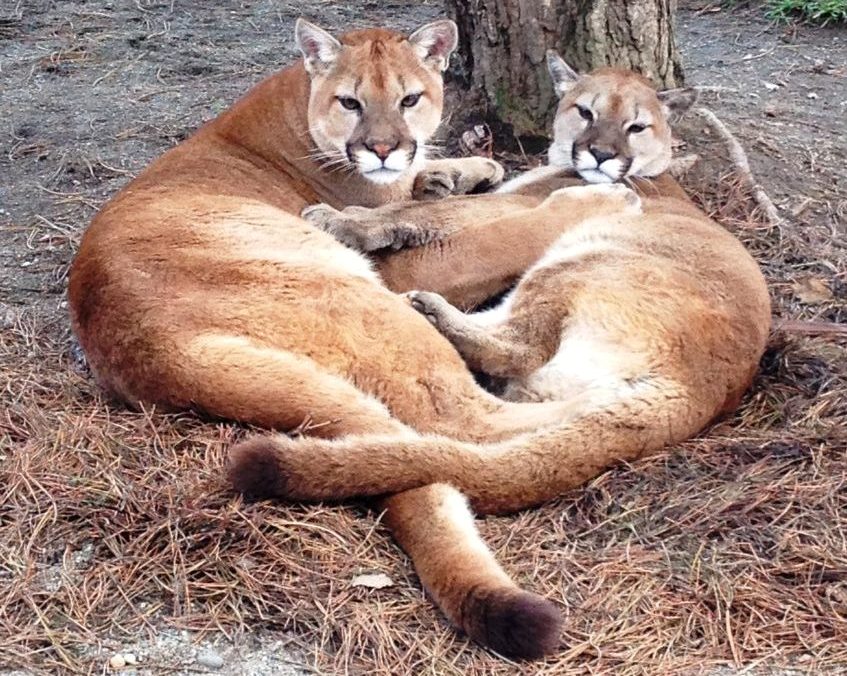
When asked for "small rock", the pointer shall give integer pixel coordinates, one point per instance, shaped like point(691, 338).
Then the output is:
point(130, 659)
point(811, 95)
point(8, 316)
point(770, 86)
point(210, 659)
point(117, 662)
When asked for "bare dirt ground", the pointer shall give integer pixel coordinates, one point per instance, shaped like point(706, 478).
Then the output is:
point(116, 535)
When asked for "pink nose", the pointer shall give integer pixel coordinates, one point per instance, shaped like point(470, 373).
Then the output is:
point(382, 150)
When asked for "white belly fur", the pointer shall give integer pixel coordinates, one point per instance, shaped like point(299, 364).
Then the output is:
point(587, 364)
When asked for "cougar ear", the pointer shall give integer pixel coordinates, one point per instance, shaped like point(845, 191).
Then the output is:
point(564, 77)
point(319, 48)
point(676, 102)
point(435, 42)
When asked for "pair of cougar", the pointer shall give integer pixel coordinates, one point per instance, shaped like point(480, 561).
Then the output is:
point(635, 320)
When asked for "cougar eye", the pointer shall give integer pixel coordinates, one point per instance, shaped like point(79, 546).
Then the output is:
point(585, 113)
point(349, 103)
point(410, 101)
point(636, 128)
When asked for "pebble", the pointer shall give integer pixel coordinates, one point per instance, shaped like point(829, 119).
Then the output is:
point(210, 659)
point(120, 660)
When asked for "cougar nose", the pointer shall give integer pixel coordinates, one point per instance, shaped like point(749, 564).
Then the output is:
point(601, 155)
point(381, 149)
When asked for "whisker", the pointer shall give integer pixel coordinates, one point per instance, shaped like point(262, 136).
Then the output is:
point(340, 163)
point(319, 157)
point(334, 165)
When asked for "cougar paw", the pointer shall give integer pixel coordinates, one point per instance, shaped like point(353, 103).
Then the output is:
point(492, 174)
point(433, 185)
point(512, 622)
point(407, 235)
point(319, 214)
point(354, 236)
point(474, 175)
point(348, 230)
point(430, 305)
point(379, 237)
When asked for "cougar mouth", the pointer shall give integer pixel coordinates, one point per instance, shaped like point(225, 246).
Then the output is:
point(382, 175)
point(383, 170)
point(596, 176)
point(608, 171)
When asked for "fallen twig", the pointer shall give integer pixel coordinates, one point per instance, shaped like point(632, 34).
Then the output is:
point(739, 159)
point(810, 328)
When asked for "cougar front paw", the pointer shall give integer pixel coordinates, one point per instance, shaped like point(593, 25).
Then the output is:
point(460, 176)
point(433, 185)
point(488, 175)
point(408, 235)
point(319, 214)
point(473, 175)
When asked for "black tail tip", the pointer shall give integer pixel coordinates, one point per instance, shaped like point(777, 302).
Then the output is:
point(254, 469)
point(514, 623)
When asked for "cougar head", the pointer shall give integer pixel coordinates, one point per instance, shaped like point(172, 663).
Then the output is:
point(376, 95)
point(612, 123)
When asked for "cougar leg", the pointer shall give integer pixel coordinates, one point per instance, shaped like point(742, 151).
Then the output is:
point(496, 341)
point(475, 262)
point(361, 230)
point(237, 379)
point(491, 247)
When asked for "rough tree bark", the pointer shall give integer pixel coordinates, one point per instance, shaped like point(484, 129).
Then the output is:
point(503, 44)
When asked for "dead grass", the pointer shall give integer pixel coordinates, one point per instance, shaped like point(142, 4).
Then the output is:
point(729, 550)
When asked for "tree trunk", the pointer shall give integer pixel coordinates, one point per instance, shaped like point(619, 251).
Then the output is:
point(504, 43)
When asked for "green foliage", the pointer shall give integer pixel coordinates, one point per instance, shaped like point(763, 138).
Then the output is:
point(818, 11)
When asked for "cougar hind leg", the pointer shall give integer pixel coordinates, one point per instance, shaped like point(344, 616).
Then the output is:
point(235, 378)
point(493, 342)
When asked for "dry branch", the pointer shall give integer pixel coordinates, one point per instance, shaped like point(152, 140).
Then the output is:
point(741, 164)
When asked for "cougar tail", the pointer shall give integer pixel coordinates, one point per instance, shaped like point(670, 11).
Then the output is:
point(499, 477)
point(435, 527)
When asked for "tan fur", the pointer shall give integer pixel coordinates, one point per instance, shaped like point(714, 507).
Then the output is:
point(645, 321)
point(199, 286)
